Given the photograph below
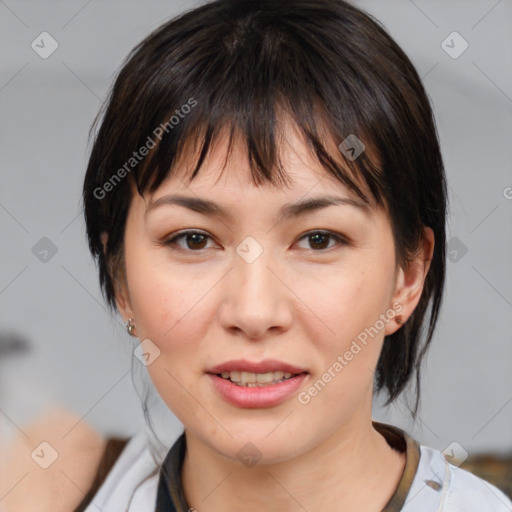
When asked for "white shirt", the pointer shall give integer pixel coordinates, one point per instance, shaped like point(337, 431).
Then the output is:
point(450, 488)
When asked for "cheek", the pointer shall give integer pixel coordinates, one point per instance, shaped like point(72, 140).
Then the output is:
point(352, 301)
point(173, 312)
point(347, 357)
point(170, 308)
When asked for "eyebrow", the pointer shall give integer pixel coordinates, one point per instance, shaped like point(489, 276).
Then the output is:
point(287, 211)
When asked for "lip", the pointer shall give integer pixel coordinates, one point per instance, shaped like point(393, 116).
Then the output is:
point(257, 397)
point(267, 365)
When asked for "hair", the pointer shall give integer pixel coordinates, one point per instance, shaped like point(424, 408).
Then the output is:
point(242, 65)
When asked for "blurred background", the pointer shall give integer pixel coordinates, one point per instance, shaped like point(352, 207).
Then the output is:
point(59, 345)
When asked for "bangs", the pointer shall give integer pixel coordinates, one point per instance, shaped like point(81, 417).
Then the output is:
point(263, 142)
point(248, 82)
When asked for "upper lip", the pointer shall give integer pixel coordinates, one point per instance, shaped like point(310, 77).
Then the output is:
point(267, 365)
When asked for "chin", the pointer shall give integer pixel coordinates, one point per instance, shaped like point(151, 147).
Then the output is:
point(253, 445)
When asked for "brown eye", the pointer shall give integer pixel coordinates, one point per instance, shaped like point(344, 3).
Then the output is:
point(194, 241)
point(319, 240)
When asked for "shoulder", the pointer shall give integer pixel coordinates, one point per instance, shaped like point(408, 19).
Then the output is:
point(468, 490)
point(48, 462)
point(113, 448)
point(131, 482)
point(457, 489)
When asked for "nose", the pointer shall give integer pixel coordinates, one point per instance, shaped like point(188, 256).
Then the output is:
point(256, 300)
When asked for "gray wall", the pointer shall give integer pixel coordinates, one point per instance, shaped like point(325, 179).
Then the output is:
point(79, 357)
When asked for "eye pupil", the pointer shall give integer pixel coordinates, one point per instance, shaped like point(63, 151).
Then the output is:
point(318, 239)
point(197, 238)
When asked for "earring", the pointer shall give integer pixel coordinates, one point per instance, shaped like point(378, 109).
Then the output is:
point(399, 320)
point(130, 327)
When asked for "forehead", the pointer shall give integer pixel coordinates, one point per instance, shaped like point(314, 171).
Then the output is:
point(229, 175)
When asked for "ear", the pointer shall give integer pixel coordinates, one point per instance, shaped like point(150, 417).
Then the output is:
point(410, 281)
point(120, 287)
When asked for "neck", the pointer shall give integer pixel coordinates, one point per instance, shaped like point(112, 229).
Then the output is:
point(353, 469)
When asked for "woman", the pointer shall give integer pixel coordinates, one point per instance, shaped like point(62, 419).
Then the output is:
point(266, 202)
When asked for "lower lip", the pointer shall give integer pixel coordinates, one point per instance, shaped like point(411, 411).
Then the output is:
point(257, 397)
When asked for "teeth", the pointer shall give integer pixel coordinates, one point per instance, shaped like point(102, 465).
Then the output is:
point(265, 377)
point(251, 379)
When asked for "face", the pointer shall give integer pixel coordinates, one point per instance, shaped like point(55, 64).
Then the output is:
point(253, 285)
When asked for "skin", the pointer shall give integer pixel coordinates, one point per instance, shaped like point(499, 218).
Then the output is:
point(297, 302)
point(27, 487)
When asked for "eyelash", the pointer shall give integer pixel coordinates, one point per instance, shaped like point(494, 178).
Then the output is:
point(171, 242)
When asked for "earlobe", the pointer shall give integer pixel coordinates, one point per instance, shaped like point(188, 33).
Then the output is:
point(121, 304)
point(410, 281)
point(122, 300)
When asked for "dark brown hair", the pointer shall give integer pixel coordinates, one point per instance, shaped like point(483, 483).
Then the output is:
point(238, 64)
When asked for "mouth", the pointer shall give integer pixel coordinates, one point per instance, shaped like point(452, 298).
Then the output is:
point(254, 380)
point(256, 373)
point(252, 384)
point(249, 384)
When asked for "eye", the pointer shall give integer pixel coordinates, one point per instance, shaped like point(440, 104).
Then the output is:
point(318, 239)
point(195, 241)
